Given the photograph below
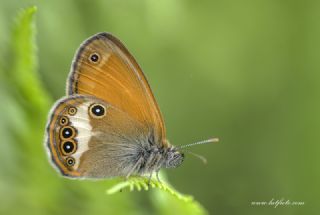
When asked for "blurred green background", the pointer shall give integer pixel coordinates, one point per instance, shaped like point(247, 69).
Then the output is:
point(247, 72)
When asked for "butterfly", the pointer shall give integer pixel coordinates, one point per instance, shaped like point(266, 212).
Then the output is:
point(109, 123)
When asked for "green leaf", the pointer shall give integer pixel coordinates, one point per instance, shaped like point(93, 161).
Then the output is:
point(166, 199)
point(24, 65)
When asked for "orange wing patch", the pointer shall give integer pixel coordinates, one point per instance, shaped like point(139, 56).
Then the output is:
point(104, 68)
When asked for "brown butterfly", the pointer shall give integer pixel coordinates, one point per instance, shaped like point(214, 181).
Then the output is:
point(109, 124)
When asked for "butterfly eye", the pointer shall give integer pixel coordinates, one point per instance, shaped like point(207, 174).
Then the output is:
point(70, 161)
point(94, 58)
point(97, 111)
point(68, 147)
point(72, 111)
point(67, 132)
point(64, 121)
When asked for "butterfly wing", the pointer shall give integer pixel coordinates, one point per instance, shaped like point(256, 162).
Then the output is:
point(89, 138)
point(104, 68)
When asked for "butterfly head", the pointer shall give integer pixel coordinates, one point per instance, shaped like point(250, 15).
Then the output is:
point(174, 158)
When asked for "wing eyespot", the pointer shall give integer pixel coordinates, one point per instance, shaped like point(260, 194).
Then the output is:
point(67, 132)
point(68, 147)
point(94, 58)
point(64, 121)
point(72, 111)
point(70, 161)
point(97, 111)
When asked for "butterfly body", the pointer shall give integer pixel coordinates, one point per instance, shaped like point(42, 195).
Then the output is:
point(109, 124)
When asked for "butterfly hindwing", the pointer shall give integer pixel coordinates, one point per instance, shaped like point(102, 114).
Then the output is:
point(89, 138)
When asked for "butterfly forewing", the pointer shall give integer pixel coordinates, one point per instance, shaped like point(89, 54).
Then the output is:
point(104, 68)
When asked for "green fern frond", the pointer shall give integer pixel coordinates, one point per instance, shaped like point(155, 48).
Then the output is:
point(24, 66)
point(181, 203)
point(139, 183)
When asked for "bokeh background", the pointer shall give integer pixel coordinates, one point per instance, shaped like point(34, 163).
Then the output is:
point(247, 72)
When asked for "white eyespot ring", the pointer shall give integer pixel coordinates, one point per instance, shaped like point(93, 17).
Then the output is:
point(97, 111)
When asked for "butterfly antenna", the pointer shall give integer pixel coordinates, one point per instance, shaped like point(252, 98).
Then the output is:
point(202, 158)
point(211, 140)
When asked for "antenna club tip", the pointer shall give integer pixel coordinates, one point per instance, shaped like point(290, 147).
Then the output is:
point(214, 140)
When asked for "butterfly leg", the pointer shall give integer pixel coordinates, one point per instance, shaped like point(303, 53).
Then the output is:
point(158, 178)
point(149, 180)
point(134, 168)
